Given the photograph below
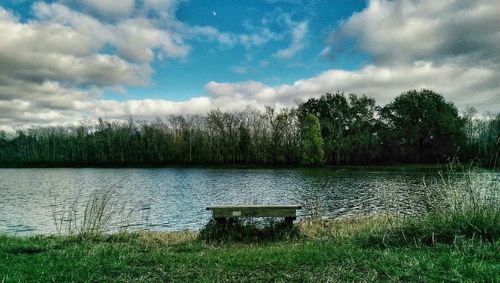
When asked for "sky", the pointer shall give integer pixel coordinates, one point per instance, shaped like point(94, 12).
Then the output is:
point(64, 61)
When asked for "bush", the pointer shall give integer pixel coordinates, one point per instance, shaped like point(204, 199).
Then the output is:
point(247, 230)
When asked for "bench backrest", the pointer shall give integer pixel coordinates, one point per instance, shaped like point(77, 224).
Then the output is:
point(231, 211)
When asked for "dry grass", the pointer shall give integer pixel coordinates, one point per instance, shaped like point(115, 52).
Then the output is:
point(343, 228)
point(166, 238)
point(100, 213)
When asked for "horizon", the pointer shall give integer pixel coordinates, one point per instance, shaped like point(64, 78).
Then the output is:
point(62, 61)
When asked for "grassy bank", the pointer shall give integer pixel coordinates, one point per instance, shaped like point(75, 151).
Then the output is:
point(347, 250)
point(458, 239)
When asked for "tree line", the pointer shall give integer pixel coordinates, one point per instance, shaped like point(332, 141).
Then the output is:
point(338, 129)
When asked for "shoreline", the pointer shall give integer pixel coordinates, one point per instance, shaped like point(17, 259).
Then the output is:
point(347, 250)
point(227, 166)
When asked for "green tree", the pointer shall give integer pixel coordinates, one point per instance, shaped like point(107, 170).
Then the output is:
point(426, 127)
point(347, 126)
point(312, 142)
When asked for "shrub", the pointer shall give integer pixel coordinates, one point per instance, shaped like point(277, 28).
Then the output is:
point(247, 230)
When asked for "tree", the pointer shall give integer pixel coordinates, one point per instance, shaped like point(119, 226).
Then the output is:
point(312, 142)
point(347, 126)
point(427, 127)
point(418, 126)
point(332, 111)
point(282, 124)
point(482, 137)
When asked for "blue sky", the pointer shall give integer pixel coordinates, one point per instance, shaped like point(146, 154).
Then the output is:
point(62, 60)
point(180, 79)
point(209, 61)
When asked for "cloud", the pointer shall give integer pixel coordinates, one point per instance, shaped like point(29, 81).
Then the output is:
point(54, 67)
point(478, 86)
point(110, 7)
point(399, 32)
point(255, 38)
point(56, 63)
point(240, 70)
point(23, 104)
point(39, 52)
point(135, 39)
point(299, 32)
point(160, 4)
point(57, 105)
point(147, 108)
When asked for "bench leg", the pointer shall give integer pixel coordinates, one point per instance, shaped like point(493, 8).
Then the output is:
point(289, 220)
point(220, 221)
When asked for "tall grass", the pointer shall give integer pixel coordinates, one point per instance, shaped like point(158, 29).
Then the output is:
point(99, 211)
point(93, 216)
point(460, 205)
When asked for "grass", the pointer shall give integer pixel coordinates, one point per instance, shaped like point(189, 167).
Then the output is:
point(457, 208)
point(101, 212)
point(456, 241)
point(336, 251)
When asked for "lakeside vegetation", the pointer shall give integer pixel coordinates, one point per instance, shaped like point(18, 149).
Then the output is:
point(416, 127)
point(348, 250)
point(180, 257)
point(456, 240)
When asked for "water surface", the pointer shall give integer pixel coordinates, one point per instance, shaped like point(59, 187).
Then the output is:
point(175, 198)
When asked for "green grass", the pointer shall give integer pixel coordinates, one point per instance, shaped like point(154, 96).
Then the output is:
point(456, 241)
point(325, 251)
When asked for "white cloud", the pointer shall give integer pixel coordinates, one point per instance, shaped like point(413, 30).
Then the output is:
point(110, 7)
point(135, 39)
point(477, 86)
point(299, 32)
point(53, 68)
point(38, 52)
point(396, 32)
point(239, 70)
point(165, 5)
point(256, 38)
point(146, 108)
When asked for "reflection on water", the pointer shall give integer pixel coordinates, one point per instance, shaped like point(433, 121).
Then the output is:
point(175, 198)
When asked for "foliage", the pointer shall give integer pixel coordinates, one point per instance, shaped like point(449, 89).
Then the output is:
point(423, 125)
point(347, 126)
point(482, 141)
point(312, 142)
point(418, 126)
point(100, 213)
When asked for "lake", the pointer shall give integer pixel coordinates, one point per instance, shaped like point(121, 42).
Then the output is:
point(172, 199)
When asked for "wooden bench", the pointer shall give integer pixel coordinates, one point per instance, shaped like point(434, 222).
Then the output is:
point(224, 212)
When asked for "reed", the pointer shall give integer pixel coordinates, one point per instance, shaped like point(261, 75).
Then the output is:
point(99, 213)
point(459, 205)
